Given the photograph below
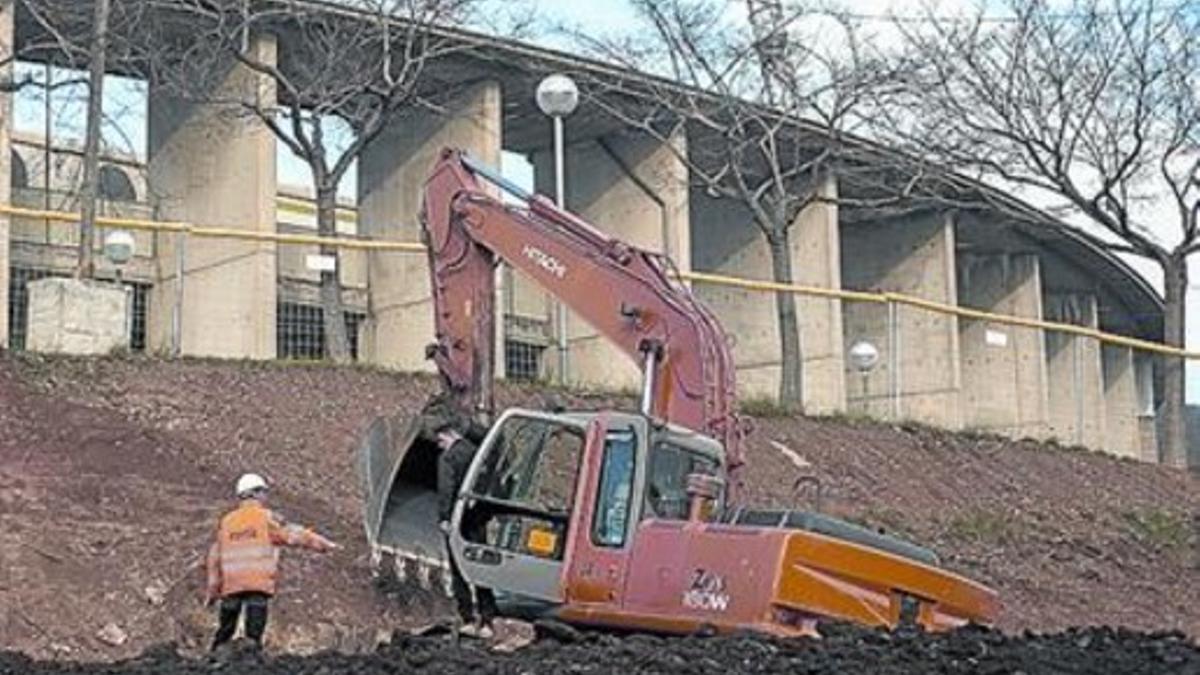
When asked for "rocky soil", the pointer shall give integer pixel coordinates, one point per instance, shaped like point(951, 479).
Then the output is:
point(113, 472)
point(1098, 651)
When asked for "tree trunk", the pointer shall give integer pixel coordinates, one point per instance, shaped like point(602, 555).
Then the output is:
point(791, 375)
point(337, 347)
point(1174, 433)
point(86, 265)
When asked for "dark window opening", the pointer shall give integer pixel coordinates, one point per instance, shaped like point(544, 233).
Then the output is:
point(522, 360)
point(19, 178)
point(140, 302)
point(114, 185)
point(300, 331)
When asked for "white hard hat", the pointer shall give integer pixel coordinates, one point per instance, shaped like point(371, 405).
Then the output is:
point(250, 482)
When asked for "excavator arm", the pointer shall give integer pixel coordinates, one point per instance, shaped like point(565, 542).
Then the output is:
point(627, 294)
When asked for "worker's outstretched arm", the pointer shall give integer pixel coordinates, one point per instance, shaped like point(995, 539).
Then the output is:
point(288, 534)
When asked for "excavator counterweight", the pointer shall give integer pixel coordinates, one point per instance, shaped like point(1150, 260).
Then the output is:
point(629, 520)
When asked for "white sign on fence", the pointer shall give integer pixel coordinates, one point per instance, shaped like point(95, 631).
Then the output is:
point(320, 263)
point(995, 338)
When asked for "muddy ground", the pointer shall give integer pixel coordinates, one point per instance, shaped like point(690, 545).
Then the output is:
point(113, 472)
point(843, 650)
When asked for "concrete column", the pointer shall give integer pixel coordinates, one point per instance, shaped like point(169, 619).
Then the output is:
point(1122, 436)
point(1074, 372)
point(1143, 364)
point(919, 374)
point(726, 241)
point(1004, 367)
point(391, 178)
point(634, 188)
point(209, 167)
point(6, 124)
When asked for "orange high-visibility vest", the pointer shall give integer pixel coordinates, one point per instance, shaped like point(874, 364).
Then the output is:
point(245, 555)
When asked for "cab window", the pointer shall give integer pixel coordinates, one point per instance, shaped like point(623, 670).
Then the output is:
point(666, 487)
point(616, 489)
point(524, 490)
point(534, 462)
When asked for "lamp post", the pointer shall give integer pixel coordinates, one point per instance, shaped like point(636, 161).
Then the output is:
point(557, 96)
point(119, 248)
point(864, 356)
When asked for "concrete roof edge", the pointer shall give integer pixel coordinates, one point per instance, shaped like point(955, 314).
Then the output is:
point(565, 61)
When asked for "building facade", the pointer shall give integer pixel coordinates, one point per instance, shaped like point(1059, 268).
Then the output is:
point(257, 299)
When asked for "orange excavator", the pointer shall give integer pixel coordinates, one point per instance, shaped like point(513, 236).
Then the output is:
point(622, 520)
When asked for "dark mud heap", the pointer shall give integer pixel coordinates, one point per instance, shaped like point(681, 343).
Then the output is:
point(844, 650)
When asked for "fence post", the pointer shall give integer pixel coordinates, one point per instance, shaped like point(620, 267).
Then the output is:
point(177, 308)
point(893, 344)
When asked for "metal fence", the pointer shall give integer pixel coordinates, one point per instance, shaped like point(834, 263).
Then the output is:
point(884, 355)
point(300, 331)
point(18, 306)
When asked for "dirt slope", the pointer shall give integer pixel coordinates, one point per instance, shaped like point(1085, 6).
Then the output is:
point(112, 474)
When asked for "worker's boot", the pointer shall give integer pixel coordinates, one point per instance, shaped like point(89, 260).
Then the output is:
point(477, 630)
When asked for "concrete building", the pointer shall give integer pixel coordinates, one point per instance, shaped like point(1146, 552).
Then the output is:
point(258, 299)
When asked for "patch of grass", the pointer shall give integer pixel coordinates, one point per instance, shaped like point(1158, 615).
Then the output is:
point(850, 418)
point(985, 527)
point(764, 408)
point(1159, 528)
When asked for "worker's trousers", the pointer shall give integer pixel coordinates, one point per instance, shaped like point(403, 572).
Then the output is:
point(484, 602)
point(254, 605)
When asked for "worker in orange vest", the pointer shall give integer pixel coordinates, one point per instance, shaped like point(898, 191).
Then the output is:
point(243, 561)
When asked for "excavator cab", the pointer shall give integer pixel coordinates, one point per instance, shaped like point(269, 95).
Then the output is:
point(543, 489)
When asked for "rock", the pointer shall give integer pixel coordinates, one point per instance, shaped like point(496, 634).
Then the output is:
point(112, 635)
point(382, 637)
point(156, 594)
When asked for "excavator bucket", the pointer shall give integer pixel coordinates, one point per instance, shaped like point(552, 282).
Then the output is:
point(398, 467)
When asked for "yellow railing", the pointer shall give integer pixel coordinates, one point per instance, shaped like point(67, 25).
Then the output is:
point(698, 277)
point(215, 232)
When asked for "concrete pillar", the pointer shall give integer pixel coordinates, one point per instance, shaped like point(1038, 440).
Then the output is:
point(918, 376)
point(1004, 367)
point(209, 167)
point(6, 124)
point(726, 241)
point(1074, 372)
point(1122, 435)
point(1143, 364)
point(391, 178)
point(634, 188)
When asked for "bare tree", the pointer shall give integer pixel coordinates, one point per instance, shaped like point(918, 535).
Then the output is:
point(75, 35)
point(349, 69)
point(1094, 106)
point(768, 104)
point(86, 267)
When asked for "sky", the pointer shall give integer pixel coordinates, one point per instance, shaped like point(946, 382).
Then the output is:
point(125, 98)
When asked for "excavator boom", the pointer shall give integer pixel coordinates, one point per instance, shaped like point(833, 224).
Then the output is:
point(627, 294)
